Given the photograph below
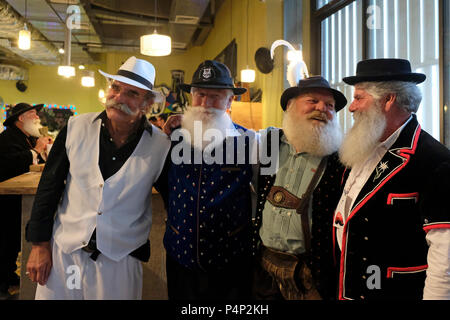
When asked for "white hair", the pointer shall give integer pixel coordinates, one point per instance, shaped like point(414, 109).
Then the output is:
point(408, 95)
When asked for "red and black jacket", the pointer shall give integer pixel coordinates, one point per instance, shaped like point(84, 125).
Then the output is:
point(385, 231)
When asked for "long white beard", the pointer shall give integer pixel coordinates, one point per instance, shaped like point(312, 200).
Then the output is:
point(316, 139)
point(32, 127)
point(364, 136)
point(213, 122)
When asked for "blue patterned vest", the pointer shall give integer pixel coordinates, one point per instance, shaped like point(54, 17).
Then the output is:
point(209, 212)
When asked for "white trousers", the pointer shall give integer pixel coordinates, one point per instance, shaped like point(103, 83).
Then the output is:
point(76, 276)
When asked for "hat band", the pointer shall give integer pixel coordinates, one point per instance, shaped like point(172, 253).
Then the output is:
point(135, 77)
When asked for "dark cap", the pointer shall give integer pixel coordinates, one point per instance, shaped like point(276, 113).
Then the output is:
point(373, 70)
point(306, 85)
point(18, 109)
point(212, 74)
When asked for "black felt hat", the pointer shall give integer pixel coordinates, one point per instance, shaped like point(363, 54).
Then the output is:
point(18, 109)
point(307, 84)
point(384, 70)
point(212, 74)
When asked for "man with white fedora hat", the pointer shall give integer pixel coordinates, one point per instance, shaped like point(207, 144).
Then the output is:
point(92, 214)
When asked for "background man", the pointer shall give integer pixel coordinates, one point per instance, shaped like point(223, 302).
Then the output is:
point(287, 252)
point(207, 238)
point(21, 145)
point(109, 161)
point(392, 221)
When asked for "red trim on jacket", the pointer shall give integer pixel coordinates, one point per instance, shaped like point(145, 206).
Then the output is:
point(444, 225)
point(392, 270)
point(393, 196)
point(402, 152)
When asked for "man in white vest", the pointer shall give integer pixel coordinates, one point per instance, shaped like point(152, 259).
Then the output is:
point(92, 213)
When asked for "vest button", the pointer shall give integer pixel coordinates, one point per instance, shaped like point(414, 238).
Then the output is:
point(101, 185)
point(83, 243)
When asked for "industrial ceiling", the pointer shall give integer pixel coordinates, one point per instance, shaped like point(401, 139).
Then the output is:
point(106, 26)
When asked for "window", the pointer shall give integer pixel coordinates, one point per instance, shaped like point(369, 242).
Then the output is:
point(364, 29)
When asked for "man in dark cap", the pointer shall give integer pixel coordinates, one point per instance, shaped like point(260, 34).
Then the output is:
point(20, 146)
point(207, 238)
point(92, 213)
point(392, 223)
point(294, 260)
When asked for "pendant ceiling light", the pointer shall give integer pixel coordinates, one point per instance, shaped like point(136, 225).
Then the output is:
point(156, 44)
point(247, 75)
point(88, 80)
point(25, 34)
point(66, 70)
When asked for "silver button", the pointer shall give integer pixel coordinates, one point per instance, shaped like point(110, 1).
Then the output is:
point(114, 158)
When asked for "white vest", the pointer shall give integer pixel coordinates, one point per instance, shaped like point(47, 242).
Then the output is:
point(120, 207)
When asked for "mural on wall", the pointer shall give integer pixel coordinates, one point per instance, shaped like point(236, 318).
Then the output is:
point(55, 118)
point(52, 119)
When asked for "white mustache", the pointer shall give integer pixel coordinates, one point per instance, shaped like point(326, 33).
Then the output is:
point(120, 106)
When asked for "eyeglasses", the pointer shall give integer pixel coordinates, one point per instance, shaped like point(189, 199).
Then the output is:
point(129, 93)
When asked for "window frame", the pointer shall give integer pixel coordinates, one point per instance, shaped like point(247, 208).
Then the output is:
point(318, 15)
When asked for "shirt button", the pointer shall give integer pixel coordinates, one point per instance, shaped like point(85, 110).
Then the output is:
point(99, 213)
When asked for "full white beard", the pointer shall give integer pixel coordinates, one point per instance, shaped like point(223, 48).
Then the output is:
point(364, 136)
point(316, 139)
point(209, 119)
point(32, 127)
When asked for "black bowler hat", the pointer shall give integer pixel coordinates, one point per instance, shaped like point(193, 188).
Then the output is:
point(373, 70)
point(307, 84)
point(18, 109)
point(212, 74)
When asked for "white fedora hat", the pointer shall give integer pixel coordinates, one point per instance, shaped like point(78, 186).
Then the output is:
point(136, 72)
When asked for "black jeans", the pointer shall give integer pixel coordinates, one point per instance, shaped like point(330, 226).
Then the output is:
point(9, 237)
point(231, 283)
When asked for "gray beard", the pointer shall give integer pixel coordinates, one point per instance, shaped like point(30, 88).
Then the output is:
point(318, 140)
point(362, 139)
point(32, 127)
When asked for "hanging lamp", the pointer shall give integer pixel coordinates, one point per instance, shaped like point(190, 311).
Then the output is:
point(156, 44)
point(25, 34)
point(247, 75)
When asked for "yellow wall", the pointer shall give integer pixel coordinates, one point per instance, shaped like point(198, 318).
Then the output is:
point(45, 86)
point(263, 30)
point(264, 26)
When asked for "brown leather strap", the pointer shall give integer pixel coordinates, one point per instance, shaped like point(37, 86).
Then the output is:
point(280, 197)
point(302, 209)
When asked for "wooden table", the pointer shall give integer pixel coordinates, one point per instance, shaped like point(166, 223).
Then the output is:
point(26, 186)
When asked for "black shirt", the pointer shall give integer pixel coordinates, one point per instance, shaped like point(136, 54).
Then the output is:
point(52, 183)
